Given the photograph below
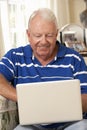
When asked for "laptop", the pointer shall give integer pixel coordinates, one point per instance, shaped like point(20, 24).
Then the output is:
point(49, 102)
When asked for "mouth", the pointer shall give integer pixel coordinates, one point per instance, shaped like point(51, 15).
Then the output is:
point(44, 46)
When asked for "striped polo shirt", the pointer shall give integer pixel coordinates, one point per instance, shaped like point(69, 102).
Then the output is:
point(20, 66)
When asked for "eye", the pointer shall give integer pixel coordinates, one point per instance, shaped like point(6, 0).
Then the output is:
point(50, 35)
point(37, 35)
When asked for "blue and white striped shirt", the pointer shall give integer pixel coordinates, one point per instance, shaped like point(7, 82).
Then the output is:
point(20, 66)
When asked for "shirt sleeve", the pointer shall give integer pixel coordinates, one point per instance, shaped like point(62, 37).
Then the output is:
point(7, 67)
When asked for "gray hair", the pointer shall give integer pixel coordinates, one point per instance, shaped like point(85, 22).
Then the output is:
point(45, 13)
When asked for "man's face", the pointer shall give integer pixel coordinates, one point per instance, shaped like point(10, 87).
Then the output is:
point(42, 36)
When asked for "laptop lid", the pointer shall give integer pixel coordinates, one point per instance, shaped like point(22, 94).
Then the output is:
point(49, 102)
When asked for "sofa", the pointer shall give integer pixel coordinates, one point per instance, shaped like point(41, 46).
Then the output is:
point(8, 114)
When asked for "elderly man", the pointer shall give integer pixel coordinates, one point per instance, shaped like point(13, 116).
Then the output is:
point(43, 59)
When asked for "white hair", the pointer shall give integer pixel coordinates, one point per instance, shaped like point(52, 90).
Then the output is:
point(46, 14)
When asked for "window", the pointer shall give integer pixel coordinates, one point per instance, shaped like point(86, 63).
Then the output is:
point(14, 15)
point(19, 12)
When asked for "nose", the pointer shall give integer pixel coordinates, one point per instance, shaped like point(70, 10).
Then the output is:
point(43, 39)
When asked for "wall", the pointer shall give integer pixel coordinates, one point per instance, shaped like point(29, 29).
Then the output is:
point(75, 8)
point(63, 12)
point(69, 11)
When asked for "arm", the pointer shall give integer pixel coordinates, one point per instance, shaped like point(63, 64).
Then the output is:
point(84, 102)
point(6, 89)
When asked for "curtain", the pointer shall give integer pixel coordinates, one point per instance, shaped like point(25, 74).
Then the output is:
point(1, 41)
point(1, 37)
point(4, 28)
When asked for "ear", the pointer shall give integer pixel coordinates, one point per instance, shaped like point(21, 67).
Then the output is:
point(27, 32)
point(57, 32)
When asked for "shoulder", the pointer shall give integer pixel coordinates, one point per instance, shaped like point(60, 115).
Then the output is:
point(20, 51)
point(69, 54)
point(68, 51)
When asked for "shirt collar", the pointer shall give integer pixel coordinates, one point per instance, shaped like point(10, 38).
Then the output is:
point(61, 50)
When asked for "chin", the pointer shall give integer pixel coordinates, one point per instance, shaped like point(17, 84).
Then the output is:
point(42, 54)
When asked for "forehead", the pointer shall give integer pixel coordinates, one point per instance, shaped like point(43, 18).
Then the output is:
point(39, 23)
